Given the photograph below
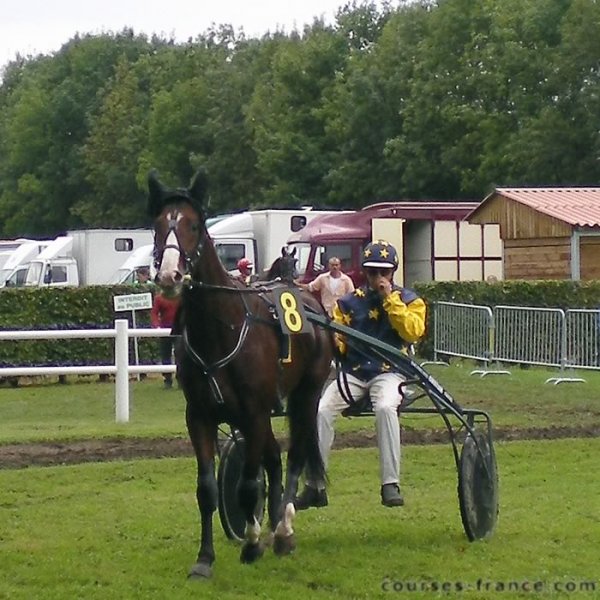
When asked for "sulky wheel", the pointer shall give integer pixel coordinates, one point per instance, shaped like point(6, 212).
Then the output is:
point(228, 475)
point(478, 486)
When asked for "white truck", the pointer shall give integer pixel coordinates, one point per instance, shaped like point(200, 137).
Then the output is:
point(142, 257)
point(258, 235)
point(14, 270)
point(85, 257)
point(7, 247)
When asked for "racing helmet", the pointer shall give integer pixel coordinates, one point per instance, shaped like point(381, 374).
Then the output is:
point(244, 264)
point(381, 254)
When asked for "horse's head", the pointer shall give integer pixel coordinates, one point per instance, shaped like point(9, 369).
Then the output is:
point(284, 267)
point(179, 228)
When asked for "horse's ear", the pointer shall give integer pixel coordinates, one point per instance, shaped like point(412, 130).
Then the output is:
point(199, 186)
point(155, 194)
point(293, 252)
point(284, 251)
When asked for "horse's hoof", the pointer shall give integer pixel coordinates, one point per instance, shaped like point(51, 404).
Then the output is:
point(200, 570)
point(251, 552)
point(284, 545)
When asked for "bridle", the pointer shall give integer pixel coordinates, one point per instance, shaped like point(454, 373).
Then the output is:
point(189, 259)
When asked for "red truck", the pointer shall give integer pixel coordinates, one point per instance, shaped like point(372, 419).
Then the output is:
point(434, 241)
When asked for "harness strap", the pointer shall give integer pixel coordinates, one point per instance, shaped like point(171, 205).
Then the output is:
point(209, 370)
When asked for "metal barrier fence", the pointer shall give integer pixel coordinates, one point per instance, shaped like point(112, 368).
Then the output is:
point(121, 368)
point(530, 335)
point(463, 330)
point(521, 335)
point(582, 338)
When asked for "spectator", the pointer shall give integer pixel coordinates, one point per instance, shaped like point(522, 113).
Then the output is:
point(164, 310)
point(332, 285)
point(395, 316)
point(142, 276)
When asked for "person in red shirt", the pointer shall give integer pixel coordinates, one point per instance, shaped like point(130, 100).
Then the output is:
point(164, 309)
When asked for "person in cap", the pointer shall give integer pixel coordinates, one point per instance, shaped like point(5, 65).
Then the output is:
point(244, 266)
point(395, 316)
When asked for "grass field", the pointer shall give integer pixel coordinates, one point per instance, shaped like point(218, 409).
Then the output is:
point(128, 530)
point(78, 410)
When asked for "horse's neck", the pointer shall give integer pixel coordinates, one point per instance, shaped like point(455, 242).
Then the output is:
point(275, 270)
point(209, 268)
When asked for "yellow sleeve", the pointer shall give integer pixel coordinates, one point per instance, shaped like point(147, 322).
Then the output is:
point(338, 338)
point(408, 320)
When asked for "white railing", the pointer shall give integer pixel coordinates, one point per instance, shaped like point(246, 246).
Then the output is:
point(121, 368)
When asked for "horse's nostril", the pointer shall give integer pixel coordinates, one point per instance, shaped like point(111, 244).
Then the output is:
point(178, 276)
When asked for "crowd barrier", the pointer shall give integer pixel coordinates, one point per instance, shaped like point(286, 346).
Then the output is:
point(121, 368)
point(521, 335)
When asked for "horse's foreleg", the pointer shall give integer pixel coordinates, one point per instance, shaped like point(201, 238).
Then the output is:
point(206, 496)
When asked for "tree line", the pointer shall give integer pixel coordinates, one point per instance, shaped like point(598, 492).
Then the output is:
point(427, 99)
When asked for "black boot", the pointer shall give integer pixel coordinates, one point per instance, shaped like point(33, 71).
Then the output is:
point(390, 495)
point(311, 496)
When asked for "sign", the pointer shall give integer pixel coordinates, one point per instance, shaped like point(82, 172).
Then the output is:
point(133, 302)
point(290, 310)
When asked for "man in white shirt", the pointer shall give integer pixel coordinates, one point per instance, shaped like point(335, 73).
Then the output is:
point(331, 285)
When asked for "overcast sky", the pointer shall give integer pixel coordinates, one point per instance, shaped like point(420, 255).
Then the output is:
point(43, 26)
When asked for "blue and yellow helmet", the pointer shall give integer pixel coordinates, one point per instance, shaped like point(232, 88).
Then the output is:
point(380, 253)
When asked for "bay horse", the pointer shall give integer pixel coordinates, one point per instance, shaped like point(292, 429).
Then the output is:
point(283, 267)
point(230, 368)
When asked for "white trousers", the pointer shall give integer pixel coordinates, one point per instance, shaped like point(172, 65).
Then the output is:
point(385, 398)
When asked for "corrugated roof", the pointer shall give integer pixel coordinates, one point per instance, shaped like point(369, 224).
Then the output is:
point(577, 206)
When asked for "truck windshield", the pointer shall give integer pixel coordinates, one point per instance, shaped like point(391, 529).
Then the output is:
point(325, 252)
point(33, 273)
point(229, 254)
point(302, 254)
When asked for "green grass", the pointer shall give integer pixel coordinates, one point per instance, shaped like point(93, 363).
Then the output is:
point(129, 530)
point(49, 411)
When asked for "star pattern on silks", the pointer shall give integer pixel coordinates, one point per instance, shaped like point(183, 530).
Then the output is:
point(347, 318)
point(384, 253)
point(359, 292)
point(367, 253)
point(374, 314)
point(385, 367)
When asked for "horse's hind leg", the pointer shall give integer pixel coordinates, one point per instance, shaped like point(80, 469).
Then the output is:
point(203, 439)
point(248, 492)
point(303, 449)
point(272, 463)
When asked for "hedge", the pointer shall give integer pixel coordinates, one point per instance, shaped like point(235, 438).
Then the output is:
point(92, 307)
point(67, 308)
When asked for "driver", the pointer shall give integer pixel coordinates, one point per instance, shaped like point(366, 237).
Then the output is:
point(244, 266)
point(395, 316)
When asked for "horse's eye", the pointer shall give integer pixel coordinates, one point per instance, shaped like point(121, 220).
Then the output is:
point(195, 227)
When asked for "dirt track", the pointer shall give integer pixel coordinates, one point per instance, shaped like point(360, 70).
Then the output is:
point(15, 456)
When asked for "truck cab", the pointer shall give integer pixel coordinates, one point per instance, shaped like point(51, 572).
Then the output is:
point(54, 265)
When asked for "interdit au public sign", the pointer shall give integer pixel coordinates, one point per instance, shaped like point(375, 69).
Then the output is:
point(133, 302)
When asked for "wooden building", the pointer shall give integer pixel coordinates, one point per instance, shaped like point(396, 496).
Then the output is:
point(547, 233)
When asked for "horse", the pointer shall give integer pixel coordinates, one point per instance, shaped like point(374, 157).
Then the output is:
point(230, 368)
point(283, 267)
